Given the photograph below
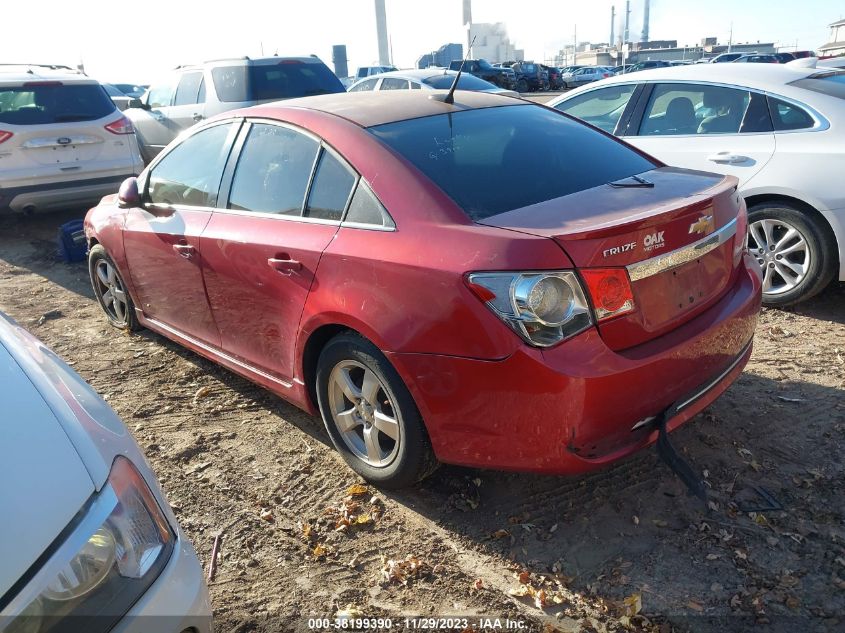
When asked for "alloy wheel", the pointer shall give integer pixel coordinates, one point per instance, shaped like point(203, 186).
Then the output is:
point(111, 291)
point(364, 413)
point(781, 251)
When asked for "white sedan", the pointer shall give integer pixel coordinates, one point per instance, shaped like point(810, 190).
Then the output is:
point(88, 542)
point(427, 79)
point(780, 129)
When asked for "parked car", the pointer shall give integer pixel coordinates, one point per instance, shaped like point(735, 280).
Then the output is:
point(132, 90)
point(555, 81)
point(120, 100)
point(777, 128)
point(370, 257)
point(646, 65)
point(725, 57)
point(585, 75)
point(427, 79)
point(191, 94)
point(784, 58)
point(63, 142)
point(529, 76)
point(369, 71)
point(757, 59)
point(482, 69)
point(510, 74)
point(89, 542)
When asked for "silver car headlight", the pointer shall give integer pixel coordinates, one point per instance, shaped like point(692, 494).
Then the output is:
point(101, 564)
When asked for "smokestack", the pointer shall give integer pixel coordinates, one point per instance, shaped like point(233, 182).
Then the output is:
point(339, 60)
point(644, 36)
point(626, 35)
point(612, 23)
point(381, 34)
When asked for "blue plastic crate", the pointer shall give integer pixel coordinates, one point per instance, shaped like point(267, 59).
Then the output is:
point(72, 243)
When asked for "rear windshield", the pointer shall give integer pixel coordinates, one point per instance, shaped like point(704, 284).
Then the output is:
point(831, 83)
point(287, 79)
point(466, 82)
point(493, 160)
point(53, 103)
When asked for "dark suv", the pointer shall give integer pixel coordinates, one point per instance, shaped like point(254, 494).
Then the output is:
point(529, 76)
point(193, 93)
point(483, 69)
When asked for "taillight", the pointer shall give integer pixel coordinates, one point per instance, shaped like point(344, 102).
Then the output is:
point(611, 292)
point(121, 126)
point(544, 308)
point(5, 136)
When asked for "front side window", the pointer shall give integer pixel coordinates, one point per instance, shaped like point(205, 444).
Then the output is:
point(492, 160)
point(694, 109)
point(188, 88)
point(369, 84)
point(333, 182)
point(160, 95)
point(273, 170)
point(788, 116)
point(602, 108)
point(190, 173)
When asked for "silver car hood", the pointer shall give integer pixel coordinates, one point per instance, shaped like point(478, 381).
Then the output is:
point(43, 482)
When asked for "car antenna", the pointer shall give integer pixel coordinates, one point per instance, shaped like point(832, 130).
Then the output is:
point(450, 96)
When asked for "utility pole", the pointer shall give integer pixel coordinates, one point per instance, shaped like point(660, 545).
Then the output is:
point(626, 37)
point(612, 25)
point(575, 46)
point(731, 37)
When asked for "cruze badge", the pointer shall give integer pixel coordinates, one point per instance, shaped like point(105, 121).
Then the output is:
point(703, 225)
point(616, 250)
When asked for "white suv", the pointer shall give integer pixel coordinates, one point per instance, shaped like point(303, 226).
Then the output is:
point(62, 140)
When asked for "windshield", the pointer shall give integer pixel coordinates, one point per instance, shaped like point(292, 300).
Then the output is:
point(493, 160)
point(466, 82)
point(287, 79)
point(53, 103)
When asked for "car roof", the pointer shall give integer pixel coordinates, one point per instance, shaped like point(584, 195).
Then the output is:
point(250, 61)
point(413, 73)
point(13, 74)
point(369, 109)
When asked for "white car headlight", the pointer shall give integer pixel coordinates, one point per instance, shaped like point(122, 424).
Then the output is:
point(107, 558)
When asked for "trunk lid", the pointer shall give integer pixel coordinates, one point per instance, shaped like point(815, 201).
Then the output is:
point(675, 234)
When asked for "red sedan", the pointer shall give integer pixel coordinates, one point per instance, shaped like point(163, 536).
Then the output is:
point(488, 283)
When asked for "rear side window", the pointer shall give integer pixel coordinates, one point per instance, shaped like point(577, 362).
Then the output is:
point(333, 182)
point(602, 108)
point(188, 89)
point(53, 103)
point(273, 170)
point(283, 80)
point(365, 208)
point(394, 83)
point(190, 173)
point(788, 116)
point(492, 160)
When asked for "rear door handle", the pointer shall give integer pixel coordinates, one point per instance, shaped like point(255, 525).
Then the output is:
point(284, 264)
point(727, 157)
point(184, 250)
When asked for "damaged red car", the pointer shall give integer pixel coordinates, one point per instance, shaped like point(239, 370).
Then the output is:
point(487, 282)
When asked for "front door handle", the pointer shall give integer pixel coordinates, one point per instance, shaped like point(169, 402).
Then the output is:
point(727, 157)
point(158, 116)
point(184, 250)
point(284, 264)
point(197, 117)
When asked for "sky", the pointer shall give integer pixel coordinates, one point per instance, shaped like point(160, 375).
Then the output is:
point(138, 42)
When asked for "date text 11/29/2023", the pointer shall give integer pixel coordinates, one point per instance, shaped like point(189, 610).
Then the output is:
point(478, 623)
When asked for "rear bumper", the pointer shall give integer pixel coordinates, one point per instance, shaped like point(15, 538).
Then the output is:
point(177, 601)
point(59, 195)
point(580, 406)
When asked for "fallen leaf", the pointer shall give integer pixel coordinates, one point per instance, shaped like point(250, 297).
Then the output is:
point(477, 482)
point(499, 534)
point(635, 519)
point(716, 587)
point(793, 603)
point(266, 515)
point(713, 556)
point(695, 606)
point(202, 392)
point(633, 604)
point(364, 519)
point(357, 490)
point(349, 612)
point(478, 585)
point(553, 528)
point(524, 577)
point(660, 523)
point(320, 550)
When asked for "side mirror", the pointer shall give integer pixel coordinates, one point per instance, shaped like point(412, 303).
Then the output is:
point(127, 195)
point(138, 103)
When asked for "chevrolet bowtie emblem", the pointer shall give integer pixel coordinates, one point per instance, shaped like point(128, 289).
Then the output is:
point(703, 225)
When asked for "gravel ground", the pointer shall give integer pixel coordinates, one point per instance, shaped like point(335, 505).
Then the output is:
point(623, 549)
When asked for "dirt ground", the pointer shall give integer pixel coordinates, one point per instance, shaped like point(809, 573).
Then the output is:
point(624, 549)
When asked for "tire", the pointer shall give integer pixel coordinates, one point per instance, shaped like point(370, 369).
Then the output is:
point(386, 461)
point(794, 268)
point(109, 287)
point(522, 86)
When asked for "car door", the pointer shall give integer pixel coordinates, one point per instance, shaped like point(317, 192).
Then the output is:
point(707, 127)
point(280, 210)
point(161, 237)
point(188, 102)
point(151, 123)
